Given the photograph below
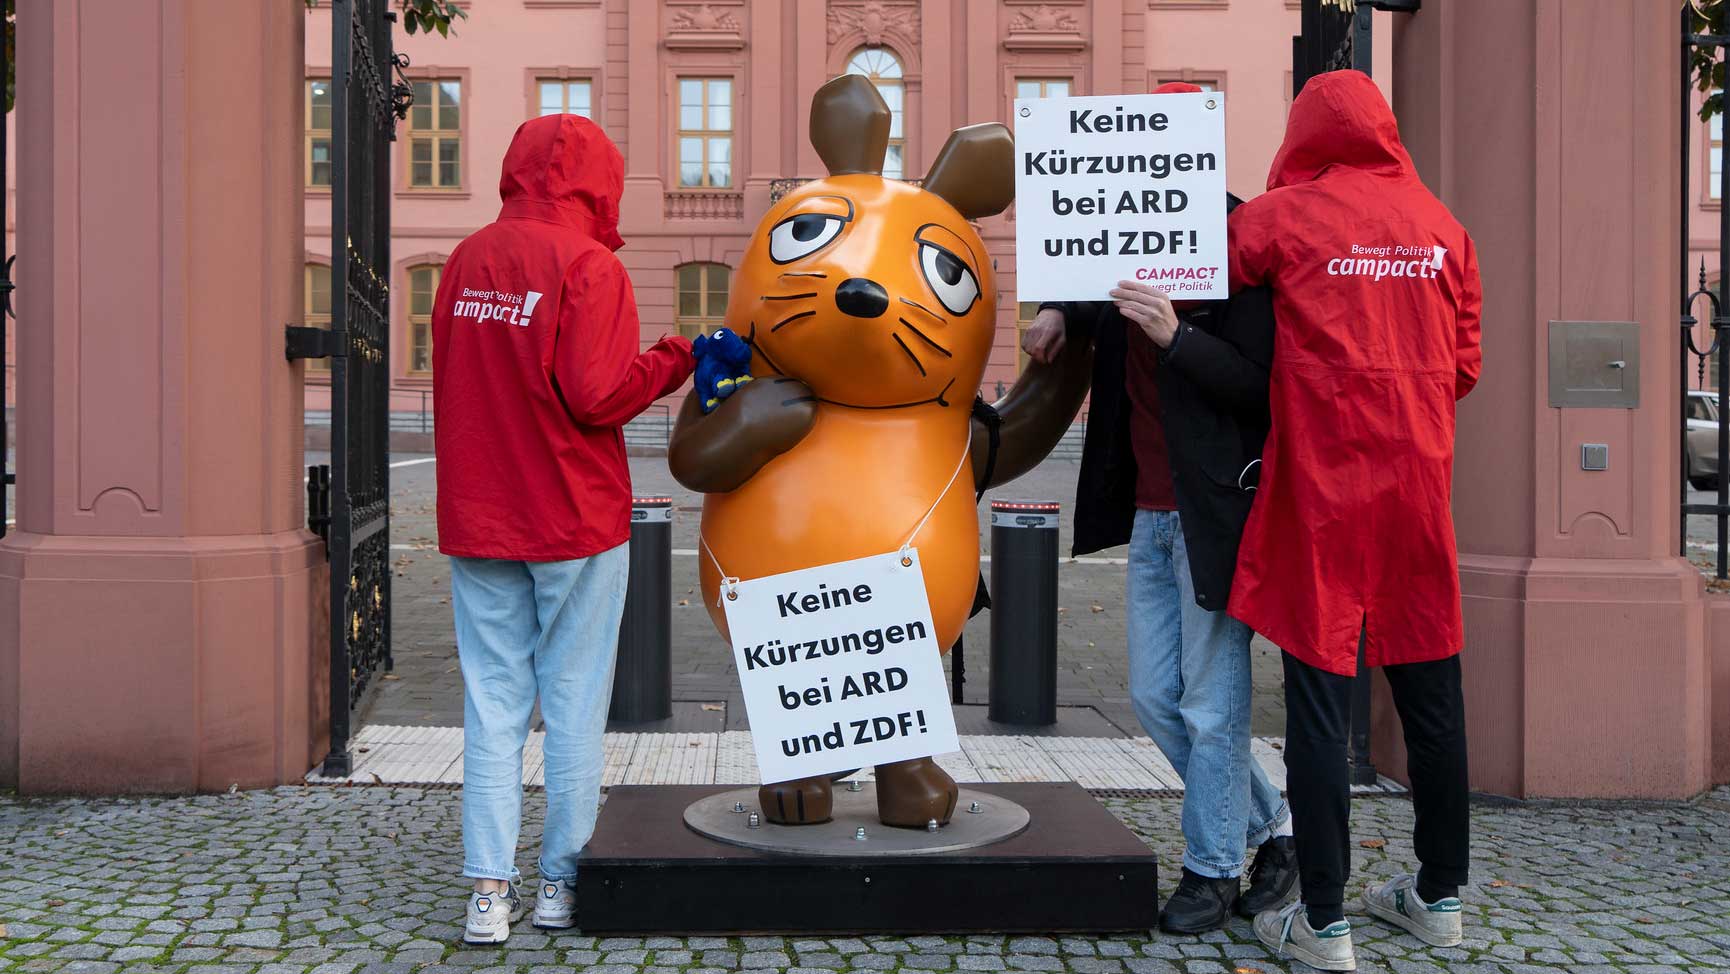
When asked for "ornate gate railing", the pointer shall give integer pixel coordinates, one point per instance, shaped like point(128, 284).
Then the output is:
point(1336, 36)
point(1705, 427)
point(365, 107)
point(7, 477)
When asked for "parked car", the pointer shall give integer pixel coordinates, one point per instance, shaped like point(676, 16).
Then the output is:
point(1702, 422)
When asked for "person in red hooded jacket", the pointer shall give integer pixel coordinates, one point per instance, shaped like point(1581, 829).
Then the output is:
point(536, 368)
point(1376, 299)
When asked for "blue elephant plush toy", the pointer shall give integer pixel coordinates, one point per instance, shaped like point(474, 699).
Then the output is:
point(723, 365)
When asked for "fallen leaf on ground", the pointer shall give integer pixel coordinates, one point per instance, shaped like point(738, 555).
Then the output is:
point(684, 601)
point(1098, 608)
point(1373, 843)
point(1644, 920)
point(56, 902)
point(2, 931)
point(390, 676)
point(713, 707)
point(1249, 970)
point(1498, 883)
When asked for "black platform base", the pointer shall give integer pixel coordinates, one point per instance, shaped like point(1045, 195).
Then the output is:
point(1075, 868)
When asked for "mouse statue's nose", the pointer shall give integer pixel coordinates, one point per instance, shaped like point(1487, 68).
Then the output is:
point(861, 297)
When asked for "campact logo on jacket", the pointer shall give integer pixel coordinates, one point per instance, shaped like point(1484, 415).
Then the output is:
point(485, 306)
point(1389, 260)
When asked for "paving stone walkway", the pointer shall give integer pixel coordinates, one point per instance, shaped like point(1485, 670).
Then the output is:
point(333, 880)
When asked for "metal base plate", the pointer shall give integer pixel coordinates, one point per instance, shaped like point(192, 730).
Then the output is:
point(1075, 868)
point(716, 817)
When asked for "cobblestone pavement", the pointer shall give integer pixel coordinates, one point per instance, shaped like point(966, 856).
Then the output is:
point(363, 879)
point(426, 688)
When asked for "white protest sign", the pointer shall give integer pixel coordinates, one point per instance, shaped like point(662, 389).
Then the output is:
point(840, 667)
point(1120, 188)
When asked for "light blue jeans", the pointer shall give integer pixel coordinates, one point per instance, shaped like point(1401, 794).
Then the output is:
point(528, 628)
point(1189, 679)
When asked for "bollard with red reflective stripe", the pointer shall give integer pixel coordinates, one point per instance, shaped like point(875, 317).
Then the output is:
point(643, 676)
point(1024, 612)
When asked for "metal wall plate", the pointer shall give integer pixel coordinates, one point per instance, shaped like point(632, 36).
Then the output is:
point(1594, 456)
point(1594, 364)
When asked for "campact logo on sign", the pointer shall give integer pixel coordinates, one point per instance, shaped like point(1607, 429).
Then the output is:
point(483, 306)
point(1384, 261)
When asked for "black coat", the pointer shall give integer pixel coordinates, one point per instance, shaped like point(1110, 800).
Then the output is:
point(1214, 405)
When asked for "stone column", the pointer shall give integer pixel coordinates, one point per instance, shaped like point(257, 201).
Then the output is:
point(1550, 128)
point(160, 620)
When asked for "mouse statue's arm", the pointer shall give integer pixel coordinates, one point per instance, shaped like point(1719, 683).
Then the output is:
point(717, 452)
point(1035, 414)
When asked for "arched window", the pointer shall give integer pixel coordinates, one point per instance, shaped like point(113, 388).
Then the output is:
point(318, 308)
point(884, 69)
point(701, 298)
point(423, 283)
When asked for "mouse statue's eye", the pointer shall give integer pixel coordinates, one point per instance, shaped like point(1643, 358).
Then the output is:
point(802, 235)
point(949, 278)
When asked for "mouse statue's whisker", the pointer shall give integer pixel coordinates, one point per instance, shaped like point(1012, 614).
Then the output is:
point(916, 363)
point(777, 326)
point(927, 339)
point(788, 297)
point(914, 304)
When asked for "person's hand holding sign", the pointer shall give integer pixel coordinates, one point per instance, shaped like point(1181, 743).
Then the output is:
point(1149, 308)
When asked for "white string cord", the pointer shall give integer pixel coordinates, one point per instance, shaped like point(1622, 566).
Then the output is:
point(730, 583)
point(966, 454)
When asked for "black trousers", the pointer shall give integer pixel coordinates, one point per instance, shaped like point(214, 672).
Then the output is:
point(1318, 725)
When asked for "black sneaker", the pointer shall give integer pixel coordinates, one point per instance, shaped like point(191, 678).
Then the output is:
point(1199, 904)
point(1272, 877)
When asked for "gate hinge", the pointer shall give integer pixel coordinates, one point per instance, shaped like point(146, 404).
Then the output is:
point(305, 342)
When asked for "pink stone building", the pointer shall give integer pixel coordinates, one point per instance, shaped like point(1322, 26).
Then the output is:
point(709, 103)
point(163, 614)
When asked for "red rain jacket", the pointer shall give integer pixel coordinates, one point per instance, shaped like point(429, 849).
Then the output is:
point(1377, 298)
point(536, 364)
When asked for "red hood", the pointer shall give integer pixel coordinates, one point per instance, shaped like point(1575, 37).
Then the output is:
point(1176, 88)
point(564, 169)
point(1339, 119)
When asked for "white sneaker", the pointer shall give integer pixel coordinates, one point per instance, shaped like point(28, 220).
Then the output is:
point(1287, 932)
point(1397, 901)
point(491, 915)
point(556, 906)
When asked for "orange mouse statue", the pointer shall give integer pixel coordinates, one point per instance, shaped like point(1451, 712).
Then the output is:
point(870, 305)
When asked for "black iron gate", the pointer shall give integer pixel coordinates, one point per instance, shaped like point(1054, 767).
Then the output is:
point(1705, 427)
point(1337, 35)
point(8, 478)
point(365, 107)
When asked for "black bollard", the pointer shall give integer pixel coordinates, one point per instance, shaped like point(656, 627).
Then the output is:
point(643, 676)
point(1024, 612)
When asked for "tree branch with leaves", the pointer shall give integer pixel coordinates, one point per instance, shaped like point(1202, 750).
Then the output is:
point(1706, 63)
point(417, 15)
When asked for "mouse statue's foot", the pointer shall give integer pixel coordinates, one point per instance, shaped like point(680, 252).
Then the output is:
point(802, 801)
point(912, 793)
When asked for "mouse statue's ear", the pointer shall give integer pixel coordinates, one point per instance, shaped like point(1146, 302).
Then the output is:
point(975, 172)
point(850, 125)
